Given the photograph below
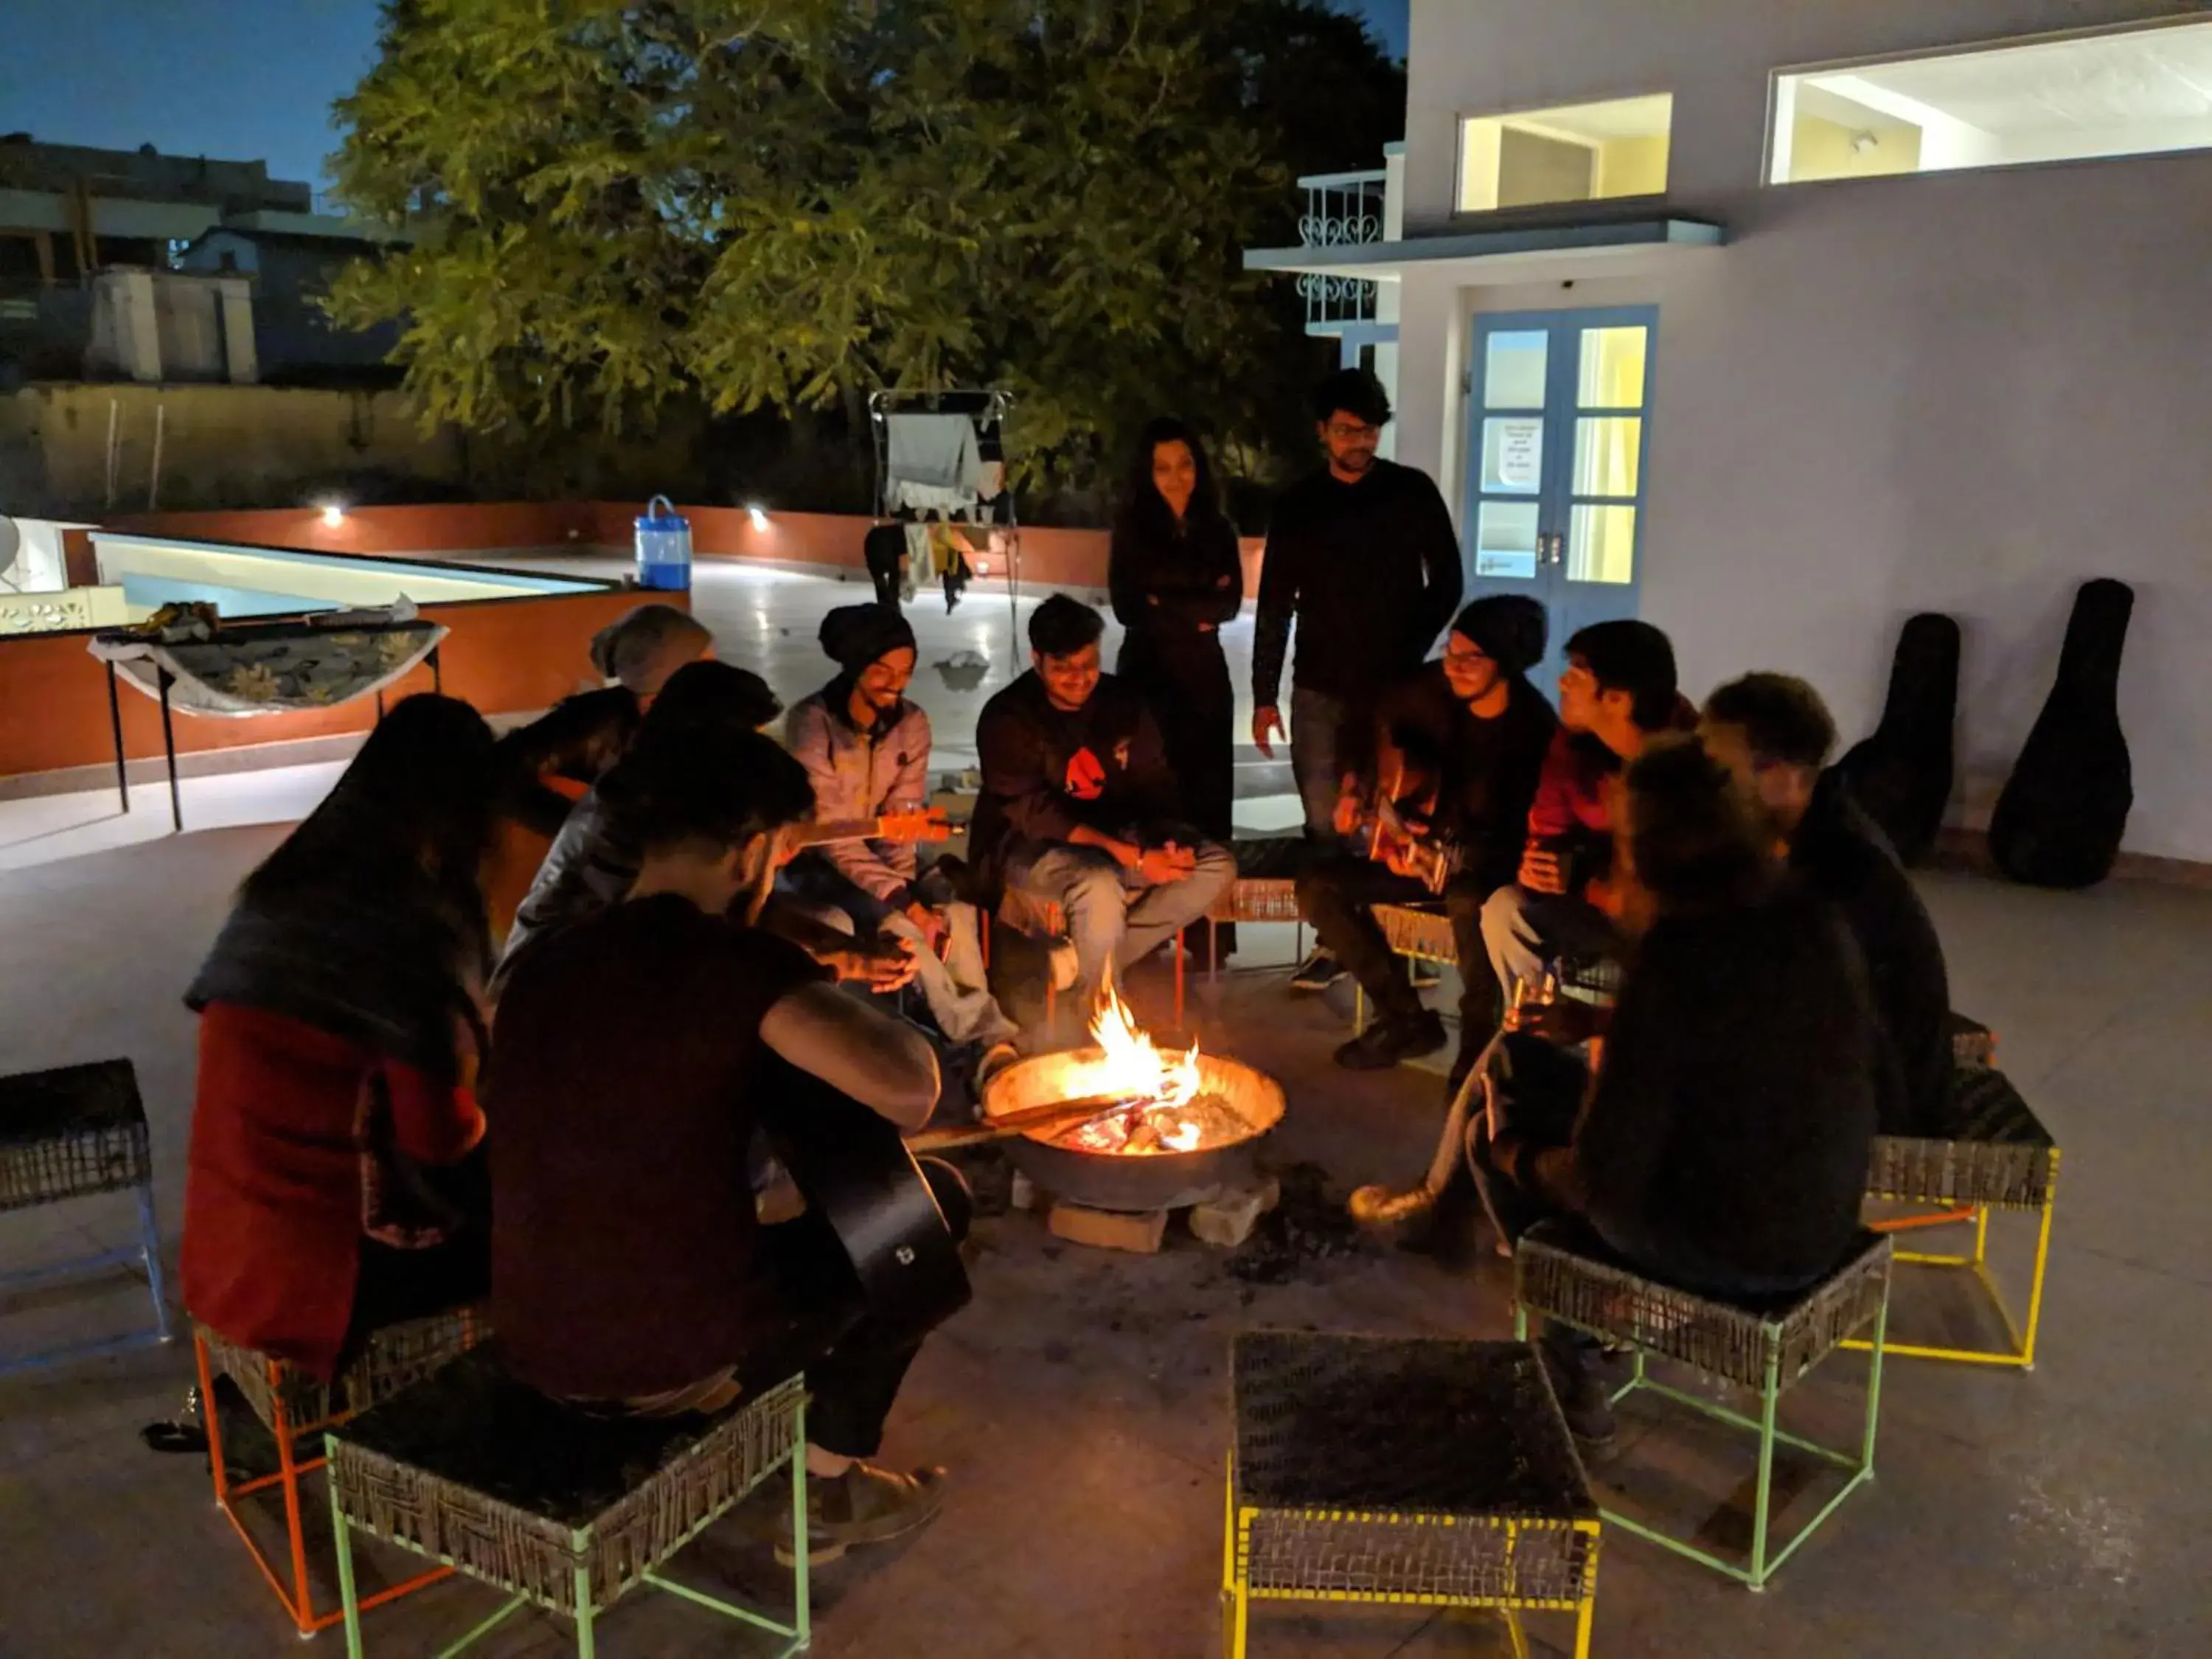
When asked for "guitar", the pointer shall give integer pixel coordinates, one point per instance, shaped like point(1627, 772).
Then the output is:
point(888, 1213)
point(1384, 827)
point(929, 824)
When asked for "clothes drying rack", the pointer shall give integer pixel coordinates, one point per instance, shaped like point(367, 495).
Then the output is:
point(986, 409)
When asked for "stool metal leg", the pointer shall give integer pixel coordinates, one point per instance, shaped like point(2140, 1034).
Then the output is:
point(149, 1244)
point(1770, 1394)
point(349, 1595)
point(585, 1645)
point(802, 1621)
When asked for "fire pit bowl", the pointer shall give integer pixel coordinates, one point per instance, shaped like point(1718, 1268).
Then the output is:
point(1234, 1107)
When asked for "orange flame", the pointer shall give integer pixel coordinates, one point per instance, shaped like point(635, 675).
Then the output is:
point(1134, 1066)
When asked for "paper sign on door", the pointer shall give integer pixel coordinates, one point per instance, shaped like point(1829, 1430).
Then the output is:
point(1520, 462)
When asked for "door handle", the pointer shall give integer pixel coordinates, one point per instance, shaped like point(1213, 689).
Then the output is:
point(1550, 549)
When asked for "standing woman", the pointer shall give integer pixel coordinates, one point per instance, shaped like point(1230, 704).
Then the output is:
point(1175, 578)
point(330, 1186)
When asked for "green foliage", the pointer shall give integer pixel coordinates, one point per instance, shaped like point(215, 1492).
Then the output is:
point(783, 205)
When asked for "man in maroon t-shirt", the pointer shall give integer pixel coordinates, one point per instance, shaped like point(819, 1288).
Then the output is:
point(629, 1270)
point(1618, 693)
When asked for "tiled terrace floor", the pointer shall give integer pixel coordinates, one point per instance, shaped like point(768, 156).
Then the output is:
point(1081, 1401)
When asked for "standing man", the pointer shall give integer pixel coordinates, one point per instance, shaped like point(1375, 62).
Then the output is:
point(865, 749)
point(1077, 805)
point(1775, 734)
point(1363, 555)
point(1472, 734)
point(1618, 693)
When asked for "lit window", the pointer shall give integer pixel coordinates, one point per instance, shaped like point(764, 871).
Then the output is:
point(1576, 153)
point(2135, 92)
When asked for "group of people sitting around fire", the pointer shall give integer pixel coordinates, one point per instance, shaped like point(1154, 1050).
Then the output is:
point(502, 1021)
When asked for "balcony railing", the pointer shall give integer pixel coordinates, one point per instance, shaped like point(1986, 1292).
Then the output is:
point(1342, 210)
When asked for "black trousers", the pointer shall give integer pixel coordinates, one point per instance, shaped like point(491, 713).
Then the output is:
point(1336, 894)
point(853, 1367)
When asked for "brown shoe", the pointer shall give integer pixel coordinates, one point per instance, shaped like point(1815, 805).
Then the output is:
point(864, 1505)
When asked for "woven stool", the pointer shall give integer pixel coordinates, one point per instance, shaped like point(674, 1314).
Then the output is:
point(1405, 1472)
point(1768, 1348)
point(562, 1510)
point(1266, 890)
point(2000, 1158)
point(290, 1404)
point(70, 1133)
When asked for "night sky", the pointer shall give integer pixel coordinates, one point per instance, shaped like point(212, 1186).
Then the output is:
point(236, 79)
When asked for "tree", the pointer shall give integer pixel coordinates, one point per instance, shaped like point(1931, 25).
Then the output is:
point(787, 204)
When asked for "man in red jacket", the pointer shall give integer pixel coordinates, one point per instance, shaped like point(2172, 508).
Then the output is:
point(1618, 693)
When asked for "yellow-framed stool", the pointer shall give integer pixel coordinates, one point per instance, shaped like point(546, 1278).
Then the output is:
point(2001, 1158)
point(292, 1406)
point(1403, 1472)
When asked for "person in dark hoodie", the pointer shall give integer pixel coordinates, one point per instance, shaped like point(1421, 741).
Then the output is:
point(1721, 1145)
point(1775, 734)
point(1079, 805)
point(1465, 738)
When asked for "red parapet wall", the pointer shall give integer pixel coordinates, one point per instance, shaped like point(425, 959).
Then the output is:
point(505, 656)
point(1050, 558)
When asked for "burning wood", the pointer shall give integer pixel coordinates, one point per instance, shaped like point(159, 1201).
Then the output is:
point(1162, 1104)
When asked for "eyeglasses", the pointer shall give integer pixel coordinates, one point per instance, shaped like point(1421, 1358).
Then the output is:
point(1470, 657)
point(1344, 431)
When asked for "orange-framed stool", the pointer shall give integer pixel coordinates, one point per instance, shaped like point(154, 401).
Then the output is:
point(291, 1404)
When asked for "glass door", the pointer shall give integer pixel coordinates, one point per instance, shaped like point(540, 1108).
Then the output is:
point(1558, 403)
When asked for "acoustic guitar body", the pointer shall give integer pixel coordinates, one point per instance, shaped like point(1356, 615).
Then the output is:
point(1901, 776)
point(2059, 822)
point(856, 1174)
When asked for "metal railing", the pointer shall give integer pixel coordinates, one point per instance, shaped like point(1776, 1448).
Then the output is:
point(1342, 210)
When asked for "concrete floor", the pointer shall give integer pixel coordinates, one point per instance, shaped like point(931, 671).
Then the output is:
point(1081, 1402)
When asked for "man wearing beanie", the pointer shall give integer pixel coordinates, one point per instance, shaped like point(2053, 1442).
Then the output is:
point(1473, 733)
point(866, 749)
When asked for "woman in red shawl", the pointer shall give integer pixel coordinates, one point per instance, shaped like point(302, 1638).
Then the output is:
point(330, 1187)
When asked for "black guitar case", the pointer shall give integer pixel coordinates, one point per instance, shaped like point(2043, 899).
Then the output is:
point(1901, 775)
point(889, 1217)
point(2059, 821)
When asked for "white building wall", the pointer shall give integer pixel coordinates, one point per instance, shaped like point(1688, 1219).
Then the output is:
point(1964, 392)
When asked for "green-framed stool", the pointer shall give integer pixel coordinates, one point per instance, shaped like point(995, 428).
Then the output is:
point(563, 1509)
point(1559, 1274)
point(1403, 1472)
point(1999, 1157)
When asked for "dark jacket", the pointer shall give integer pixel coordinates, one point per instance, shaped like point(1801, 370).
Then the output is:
point(1371, 572)
point(1046, 770)
point(1168, 586)
point(1840, 855)
point(1485, 770)
point(1734, 1108)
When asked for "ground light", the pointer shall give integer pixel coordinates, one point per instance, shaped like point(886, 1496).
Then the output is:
point(758, 514)
point(333, 516)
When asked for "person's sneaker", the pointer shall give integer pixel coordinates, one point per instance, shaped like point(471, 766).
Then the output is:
point(1582, 1395)
point(1317, 972)
point(1387, 1042)
point(864, 1505)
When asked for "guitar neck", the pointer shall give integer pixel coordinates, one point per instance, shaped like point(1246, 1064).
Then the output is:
point(816, 834)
